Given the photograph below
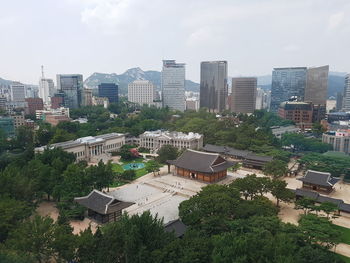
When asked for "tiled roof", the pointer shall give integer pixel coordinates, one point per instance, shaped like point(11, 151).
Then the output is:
point(201, 162)
point(319, 178)
point(101, 202)
point(177, 227)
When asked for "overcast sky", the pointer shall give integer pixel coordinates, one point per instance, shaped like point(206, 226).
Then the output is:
point(110, 36)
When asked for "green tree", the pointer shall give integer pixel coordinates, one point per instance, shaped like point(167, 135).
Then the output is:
point(128, 175)
point(12, 213)
point(132, 239)
point(153, 166)
point(252, 186)
point(276, 168)
point(167, 152)
point(61, 135)
point(328, 208)
point(280, 192)
point(306, 204)
point(319, 230)
point(211, 208)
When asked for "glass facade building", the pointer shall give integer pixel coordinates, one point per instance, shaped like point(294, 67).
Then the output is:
point(72, 87)
point(287, 83)
point(173, 85)
point(8, 126)
point(213, 85)
point(108, 90)
point(317, 85)
point(243, 96)
point(346, 95)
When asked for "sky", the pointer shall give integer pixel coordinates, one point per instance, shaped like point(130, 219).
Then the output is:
point(110, 36)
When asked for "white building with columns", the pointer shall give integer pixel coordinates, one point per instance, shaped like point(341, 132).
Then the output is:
point(154, 140)
point(90, 148)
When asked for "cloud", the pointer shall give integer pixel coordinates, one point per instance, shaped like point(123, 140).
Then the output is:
point(335, 20)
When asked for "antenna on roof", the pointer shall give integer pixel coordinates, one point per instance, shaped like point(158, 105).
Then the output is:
point(42, 71)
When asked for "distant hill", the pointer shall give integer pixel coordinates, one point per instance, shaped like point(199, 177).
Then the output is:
point(130, 75)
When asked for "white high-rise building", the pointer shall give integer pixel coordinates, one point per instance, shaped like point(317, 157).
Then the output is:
point(173, 85)
point(346, 95)
point(46, 89)
point(141, 92)
point(18, 92)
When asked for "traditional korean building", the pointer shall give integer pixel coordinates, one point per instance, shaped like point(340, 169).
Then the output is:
point(256, 161)
point(318, 181)
point(227, 151)
point(202, 166)
point(101, 207)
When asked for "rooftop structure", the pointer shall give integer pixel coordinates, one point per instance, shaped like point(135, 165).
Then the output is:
point(299, 112)
point(154, 140)
point(177, 227)
point(90, 148)
point(303, 193)
point(203, 166)
point(256, 161)
point(340, 140)
point(102, 207)
point(229, 151)
point(278, 131)
point(318, 181)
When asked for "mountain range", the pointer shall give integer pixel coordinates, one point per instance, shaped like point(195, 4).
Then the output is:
point(130, 75)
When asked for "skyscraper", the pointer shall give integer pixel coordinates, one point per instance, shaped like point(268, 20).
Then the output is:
point(46, 89)
point(346, 99)
point(72, 87)
point(213, 85)
point(141, 92)
point(108, 90)
point(287, 83)
point(243, 95)
point(173, 85)
point(317, 85)
point(17, 92)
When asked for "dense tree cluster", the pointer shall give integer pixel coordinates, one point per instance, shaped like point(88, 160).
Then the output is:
point(337, 166)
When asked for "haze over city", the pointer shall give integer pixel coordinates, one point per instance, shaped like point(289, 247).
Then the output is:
point(86, 36)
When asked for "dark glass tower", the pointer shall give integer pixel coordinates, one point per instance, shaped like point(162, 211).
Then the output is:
point(108, 90)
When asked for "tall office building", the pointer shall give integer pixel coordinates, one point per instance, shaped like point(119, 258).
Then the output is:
point(72, 87)
point(213, 85)
point(141, 92)
point(173, 85)
point(108, 90)
point(346, 99)
point(18, 92)
point(317, 85)
point(46, 89)
point(243, 95)
point(287, 83)
point(87, 97)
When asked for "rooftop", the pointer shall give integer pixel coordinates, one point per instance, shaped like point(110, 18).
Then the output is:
point(319, 178)
point(102, 203)
point(172, 135)
point(201, 162)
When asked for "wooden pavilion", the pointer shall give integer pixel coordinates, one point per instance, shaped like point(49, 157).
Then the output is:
point(101, 207)
point(202, 166)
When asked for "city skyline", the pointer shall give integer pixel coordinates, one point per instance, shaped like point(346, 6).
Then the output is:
point(97, 36)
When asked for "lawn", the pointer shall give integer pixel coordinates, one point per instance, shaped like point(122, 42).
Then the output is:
point(345, 234)
point(344, 258)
